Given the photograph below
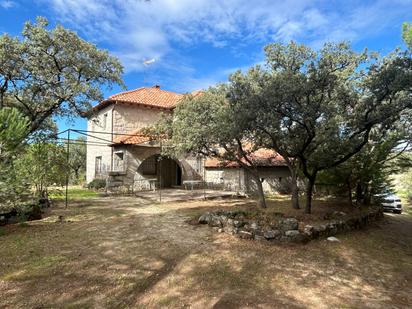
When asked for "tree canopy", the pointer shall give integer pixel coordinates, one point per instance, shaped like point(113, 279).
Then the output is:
point(53, 72)
point(318, 108)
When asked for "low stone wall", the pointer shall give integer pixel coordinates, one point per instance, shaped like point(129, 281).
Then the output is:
point(236, 222)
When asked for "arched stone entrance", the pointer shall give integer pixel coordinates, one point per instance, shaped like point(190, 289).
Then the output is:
point(165, 171)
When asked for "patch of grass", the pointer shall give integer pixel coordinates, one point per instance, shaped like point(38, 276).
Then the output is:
point(2, 231)
point(35, 267)
point(166, 301)
point(73, 193)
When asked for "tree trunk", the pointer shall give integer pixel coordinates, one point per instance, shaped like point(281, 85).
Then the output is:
point(309, 193)
point(349, 186)
point(367, 195)
point(359, 194)
point(261, 195)
point(295, 192)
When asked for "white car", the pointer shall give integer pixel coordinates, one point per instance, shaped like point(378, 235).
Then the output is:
point(392, 203)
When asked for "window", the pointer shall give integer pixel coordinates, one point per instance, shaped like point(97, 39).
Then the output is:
point(119, 161)
point(104, 121)
point(98, 165)
point(199, 164)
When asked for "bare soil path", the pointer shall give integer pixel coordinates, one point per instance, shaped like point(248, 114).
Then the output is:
point(132, 253)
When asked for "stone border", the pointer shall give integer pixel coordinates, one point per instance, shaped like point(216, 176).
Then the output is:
point(288, 230)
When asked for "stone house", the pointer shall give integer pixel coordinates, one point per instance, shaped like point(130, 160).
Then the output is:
point(118, 151)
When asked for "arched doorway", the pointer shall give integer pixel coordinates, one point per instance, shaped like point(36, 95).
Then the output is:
point(166, 171)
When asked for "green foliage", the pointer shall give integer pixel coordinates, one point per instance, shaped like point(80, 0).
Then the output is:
point(319, 108)
point(77, 160)
point(406, 184)
point(407, 34)
point(44, 164)
point(13, 130)
point(53, 72)
point(97, 184)
point(45, 73)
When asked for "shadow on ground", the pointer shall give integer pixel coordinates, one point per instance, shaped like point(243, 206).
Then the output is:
point(129, 252)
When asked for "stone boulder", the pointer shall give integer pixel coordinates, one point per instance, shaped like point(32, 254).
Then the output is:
point(288, 224)
point(205, 218)
point(245, 235)
point(293, 236)
point(272, 234)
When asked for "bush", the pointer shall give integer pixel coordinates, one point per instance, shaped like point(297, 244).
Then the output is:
point(97, 184)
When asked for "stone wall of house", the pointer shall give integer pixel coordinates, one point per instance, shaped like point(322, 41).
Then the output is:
point(101, 123)
point(134, 155)
point(238, 179)
point(131, 117)
point(125, 119)
point(233, 179)
point(275, 179)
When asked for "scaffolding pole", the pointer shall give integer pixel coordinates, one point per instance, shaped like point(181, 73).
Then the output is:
point(160, 173)
point(67, 168)
point(204, 179)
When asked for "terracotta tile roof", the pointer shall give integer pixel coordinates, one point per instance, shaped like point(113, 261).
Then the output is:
point(146, 96)
point(135, 137)
point(262, 157)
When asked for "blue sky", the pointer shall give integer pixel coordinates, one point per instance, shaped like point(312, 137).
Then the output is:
point(197, 43)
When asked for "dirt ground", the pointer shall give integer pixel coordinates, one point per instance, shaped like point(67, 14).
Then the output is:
point(126, 252)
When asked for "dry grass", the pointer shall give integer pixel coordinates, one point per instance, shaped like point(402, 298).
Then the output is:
point(126, 252)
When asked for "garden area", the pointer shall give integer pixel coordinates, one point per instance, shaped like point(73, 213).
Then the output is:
point(127, 252)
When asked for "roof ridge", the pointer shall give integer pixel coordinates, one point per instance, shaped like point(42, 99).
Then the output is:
point(126, 92)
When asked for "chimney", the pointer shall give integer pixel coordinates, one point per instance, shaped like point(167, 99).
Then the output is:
point(156, 86)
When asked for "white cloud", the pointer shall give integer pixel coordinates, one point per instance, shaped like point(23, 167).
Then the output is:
point(7, 4)
point(136, 30)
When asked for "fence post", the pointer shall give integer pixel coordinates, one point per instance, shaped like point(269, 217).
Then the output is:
point(68, 169)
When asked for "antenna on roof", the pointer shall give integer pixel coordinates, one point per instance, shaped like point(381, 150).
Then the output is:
point(147, 63)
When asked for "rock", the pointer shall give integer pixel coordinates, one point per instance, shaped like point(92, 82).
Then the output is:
point(271, 234)
point(332, 228)
point(259, 238)
point(215, 221)
point(333, 239)
point(237, 223)
point(293, 236)
point(223, 219)
point(288, 224)
point(220, 230)
point(321, 229)
point(229, 222)
point(254, 226)
point(308, 230)
point(292, 233)
point(205, 218)
point(338, 214)
point(245, 235)
point(231, 230)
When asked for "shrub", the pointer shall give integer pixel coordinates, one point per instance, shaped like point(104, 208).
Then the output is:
point(97, 184)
